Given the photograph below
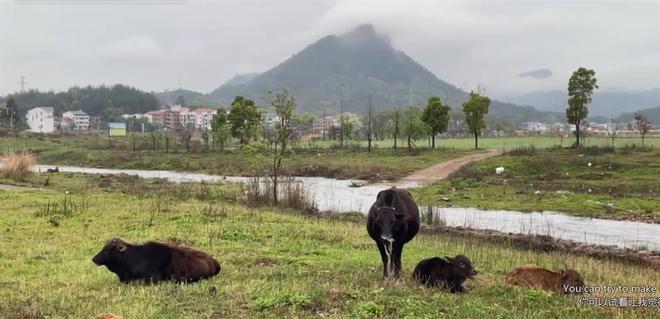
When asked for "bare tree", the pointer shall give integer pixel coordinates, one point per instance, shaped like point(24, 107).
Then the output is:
point(155, 138)
point(643, 125)
point(369, 135)
point(284, 106)
point(396, 128)
point(611, 130)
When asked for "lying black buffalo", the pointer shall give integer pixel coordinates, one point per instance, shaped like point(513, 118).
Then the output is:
point(393, 221)
point(447, 273)
point(155, 261)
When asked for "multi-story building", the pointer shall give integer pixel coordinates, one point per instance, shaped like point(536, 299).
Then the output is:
point(75, 120)
point(204, 118)
point(40, 119)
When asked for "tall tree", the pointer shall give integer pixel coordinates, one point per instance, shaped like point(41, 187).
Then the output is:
point(475, 109)
point(436, 117)
point(581, 86)
point(244, 118)
point(413, 128)
point(284, 106)
point(220, 128)
point(643, 125)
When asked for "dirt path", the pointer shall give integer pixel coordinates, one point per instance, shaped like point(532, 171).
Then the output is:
point(442, 170)
point(14, 187)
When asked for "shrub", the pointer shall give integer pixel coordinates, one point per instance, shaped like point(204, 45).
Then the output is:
point(16, 165)
point(522, 151)
point(468, 171)
point(291, 194)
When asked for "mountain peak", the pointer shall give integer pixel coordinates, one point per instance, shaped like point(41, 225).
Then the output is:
point(365, 34)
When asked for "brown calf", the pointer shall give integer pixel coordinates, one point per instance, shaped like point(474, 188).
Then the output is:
point(535, 276)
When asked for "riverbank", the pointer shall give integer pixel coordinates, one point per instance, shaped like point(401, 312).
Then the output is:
point(275, 263)
point(637, 256)
point(620, 184)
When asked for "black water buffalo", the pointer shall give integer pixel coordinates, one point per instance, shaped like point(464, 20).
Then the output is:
point(447, 273)
point(392, 222)
point(155, 261)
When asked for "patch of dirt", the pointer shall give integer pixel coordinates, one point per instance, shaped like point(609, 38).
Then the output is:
point(442, 170)
point(15, 187)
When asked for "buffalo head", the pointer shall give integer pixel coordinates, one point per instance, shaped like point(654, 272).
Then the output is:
point(462, 266)
point(111, 252)
point(391, 223)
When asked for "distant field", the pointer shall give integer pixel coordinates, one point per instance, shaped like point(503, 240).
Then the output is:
point(275, 264)
point(501, 142)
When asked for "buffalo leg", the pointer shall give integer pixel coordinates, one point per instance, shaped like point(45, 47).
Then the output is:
point(383, 257)
point(396, 259)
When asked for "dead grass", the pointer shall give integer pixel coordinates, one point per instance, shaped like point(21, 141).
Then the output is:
point(16, 165)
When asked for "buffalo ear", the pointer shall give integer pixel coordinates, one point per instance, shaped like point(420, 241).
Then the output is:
point(121, 247)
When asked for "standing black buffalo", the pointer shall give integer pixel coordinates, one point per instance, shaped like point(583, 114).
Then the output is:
point(155, 261)
point(393, 221)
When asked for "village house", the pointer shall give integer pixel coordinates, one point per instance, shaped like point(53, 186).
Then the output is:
point(75, 120)
point(534, 127)
point(177, 116)
point(41, 119)
point(326, 126)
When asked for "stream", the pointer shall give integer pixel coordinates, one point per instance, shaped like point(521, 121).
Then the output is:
point(336, 195)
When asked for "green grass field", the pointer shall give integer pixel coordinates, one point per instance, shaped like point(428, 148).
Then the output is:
point(503, 142)
point(252, 160)
point(620, 184)
point(274, 263)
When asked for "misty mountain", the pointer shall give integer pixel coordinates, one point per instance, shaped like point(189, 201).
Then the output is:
point(653, 114)
point(605, 103)
point(239, 79)
point(350, 68)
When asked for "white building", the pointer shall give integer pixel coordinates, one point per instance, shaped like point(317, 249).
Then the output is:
point(40, 120)
point(534, 126)
point(75, 120)
point(203, 118)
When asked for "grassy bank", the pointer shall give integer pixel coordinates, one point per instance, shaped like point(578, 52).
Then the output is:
point(274, 263)
point(348, 163)
point(620, 183)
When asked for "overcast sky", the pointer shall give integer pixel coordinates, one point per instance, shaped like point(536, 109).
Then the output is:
point(154, 44)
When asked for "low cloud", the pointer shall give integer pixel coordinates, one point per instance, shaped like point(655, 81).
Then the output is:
point(536, 74)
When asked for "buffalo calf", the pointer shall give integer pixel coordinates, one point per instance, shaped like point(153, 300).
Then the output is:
point(447, 273)
point(535, 276)
point(155, 261)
